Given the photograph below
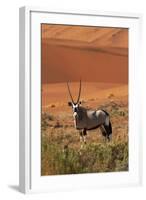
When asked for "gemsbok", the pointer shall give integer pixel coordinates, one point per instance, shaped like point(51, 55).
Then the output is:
point(86, 119)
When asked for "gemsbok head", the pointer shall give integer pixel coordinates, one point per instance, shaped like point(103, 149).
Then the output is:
point(86, 120)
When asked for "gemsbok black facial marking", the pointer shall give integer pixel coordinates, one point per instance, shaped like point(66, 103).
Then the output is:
point(85, 120)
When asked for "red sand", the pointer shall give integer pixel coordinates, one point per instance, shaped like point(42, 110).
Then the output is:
point(97, 55)
point(94, 54)
point(56, 96)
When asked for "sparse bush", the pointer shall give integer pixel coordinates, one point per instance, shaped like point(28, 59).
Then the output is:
point(45, 118)
point(108, 157)
point(52, 106)
point(92, 99)
point(58, 125)
point(60, 145)
point(50, 117)
point(111, 96)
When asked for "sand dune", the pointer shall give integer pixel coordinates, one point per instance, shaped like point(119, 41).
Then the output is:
point(60, 64)
point(97, 54)
point(99, 36)
point(56, 95)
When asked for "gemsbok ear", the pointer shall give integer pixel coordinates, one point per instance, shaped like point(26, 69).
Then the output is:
point(69, 103)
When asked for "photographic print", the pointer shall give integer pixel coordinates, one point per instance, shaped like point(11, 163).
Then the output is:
point(84, 99)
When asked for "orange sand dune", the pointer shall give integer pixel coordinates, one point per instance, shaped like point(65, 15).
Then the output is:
point(97, 54)
point(97, 36)
point(56, 96)
point(60, 64)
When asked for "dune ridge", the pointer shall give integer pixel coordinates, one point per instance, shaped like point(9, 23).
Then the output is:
point(97, 54)
point(96, 93)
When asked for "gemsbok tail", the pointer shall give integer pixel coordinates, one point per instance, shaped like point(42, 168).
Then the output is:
point(110, 127)
point(107, 125)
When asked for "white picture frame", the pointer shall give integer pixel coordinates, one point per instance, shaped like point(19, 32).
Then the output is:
point(30, 177)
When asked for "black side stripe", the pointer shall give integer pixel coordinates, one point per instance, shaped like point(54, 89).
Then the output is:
point(105, 112)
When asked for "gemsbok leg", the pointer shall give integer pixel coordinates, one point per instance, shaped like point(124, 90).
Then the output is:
point(83, 134)
point(103, 131)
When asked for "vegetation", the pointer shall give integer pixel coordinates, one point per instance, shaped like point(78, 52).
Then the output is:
point(96, 157)
point(61, 152)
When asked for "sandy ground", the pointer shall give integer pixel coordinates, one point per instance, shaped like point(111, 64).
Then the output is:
point(58, 124)
point(55, 97)
point(110, 97)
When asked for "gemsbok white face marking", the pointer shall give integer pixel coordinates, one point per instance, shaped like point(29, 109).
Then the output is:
point(75, 110)
point(75, 107)
point(85, 120)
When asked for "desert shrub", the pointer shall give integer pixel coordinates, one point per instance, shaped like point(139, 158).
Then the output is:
point(52, 106)
point(108, 157)
point(111, 95)
point(115, 108)
point(47, 116)
point(45, 119)
point(58, 124)
point(119, 112)
point(50, 117)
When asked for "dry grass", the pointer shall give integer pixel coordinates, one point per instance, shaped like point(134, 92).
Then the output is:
point(60, 145)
